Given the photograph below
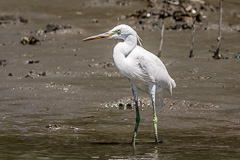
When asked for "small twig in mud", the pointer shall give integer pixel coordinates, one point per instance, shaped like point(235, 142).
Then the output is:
point(217, 55)
point(162, 30)
point(192, 36)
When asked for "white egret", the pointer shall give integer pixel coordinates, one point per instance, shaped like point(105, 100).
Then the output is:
point(144, 70)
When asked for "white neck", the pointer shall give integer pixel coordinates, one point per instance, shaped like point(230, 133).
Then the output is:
point(122, 50)
point(127, 45)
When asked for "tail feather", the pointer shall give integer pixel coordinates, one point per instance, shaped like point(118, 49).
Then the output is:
point(172, 85)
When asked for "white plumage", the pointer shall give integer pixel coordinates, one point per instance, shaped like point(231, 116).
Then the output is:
point(143, 66)
point(144, 70)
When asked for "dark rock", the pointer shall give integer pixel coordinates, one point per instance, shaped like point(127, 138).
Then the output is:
point(173, 11)
point(3, 62)
point(95, 21)
point(53, 27)
point(8, 19)
point(33, 74)
point(102, 65)
point(30, 40)
point(129, 106)
point(32, 61)
point(10, 74)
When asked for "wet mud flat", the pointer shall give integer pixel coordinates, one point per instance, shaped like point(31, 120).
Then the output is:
point(64, 99)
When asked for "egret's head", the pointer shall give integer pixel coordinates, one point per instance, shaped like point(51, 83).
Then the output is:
point(119, 32)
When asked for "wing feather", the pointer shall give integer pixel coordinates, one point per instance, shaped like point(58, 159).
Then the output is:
point(147, 67)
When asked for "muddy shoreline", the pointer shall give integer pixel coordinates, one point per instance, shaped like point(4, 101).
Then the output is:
point(62, 98)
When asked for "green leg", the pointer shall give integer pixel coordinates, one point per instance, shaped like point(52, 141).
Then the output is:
point(136, 125)
point(135, 95)
point(155, 122)
point(152, 91)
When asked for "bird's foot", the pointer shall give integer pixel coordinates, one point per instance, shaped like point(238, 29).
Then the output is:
point(157, 142)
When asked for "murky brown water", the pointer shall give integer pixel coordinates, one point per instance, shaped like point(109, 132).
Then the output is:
point(63, 116)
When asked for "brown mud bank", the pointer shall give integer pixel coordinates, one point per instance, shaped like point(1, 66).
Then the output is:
point(64, 99)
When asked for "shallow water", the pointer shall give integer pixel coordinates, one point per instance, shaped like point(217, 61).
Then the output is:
point(63, 116)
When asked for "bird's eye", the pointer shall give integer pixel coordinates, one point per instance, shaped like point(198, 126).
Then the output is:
point(118, 31)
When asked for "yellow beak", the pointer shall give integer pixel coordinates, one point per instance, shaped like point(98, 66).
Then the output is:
point(103, 35)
